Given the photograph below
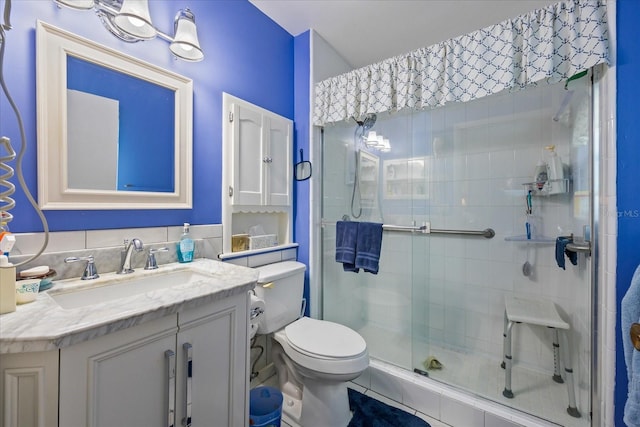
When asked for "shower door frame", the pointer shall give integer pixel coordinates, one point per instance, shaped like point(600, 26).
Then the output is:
point(602, 112)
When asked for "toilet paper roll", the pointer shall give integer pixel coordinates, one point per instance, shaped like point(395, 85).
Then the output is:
point(256, 309)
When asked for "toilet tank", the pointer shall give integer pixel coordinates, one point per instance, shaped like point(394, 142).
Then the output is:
point(280, 286)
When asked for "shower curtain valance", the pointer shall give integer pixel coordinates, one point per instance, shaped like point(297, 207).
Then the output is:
point(549, 44)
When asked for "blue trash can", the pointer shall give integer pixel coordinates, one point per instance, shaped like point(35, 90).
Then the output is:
point(265, 407)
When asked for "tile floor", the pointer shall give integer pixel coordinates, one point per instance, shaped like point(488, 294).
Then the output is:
point(434, 423)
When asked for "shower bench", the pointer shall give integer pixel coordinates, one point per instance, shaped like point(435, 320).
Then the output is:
point(539, 312)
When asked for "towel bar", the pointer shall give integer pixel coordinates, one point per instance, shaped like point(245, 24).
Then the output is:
point(426, 229)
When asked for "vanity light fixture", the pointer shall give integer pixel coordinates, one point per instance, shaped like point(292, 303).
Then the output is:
point(130, 21)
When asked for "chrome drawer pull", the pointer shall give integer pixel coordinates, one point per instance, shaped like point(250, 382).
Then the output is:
point(188, 356)
point(170, 356)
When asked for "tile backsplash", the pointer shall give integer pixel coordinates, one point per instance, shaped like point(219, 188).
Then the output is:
point(106, 247)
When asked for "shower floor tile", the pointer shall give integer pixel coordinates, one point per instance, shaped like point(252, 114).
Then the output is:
point(535, 392)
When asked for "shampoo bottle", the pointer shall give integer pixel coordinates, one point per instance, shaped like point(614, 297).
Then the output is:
point(556, 172)
point(541, 175)
point(7, 286)
point(186, 245)
point(556, 169)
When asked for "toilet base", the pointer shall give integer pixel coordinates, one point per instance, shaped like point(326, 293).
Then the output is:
point(291, 410)
point(325, 404)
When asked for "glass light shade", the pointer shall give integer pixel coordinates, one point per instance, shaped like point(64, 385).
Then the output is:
point(76, 4)
point(380, 142)
point(372, 139)
point(135, 20)
point(386, 146)
point(185, 43)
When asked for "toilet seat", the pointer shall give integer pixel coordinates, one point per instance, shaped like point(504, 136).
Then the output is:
point(349, 361)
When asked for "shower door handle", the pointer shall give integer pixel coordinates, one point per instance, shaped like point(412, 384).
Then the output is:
point(581, 247)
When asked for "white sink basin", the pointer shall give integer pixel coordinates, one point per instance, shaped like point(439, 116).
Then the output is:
point(123, 287)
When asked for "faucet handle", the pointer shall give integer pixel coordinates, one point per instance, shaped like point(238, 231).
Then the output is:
point(151, 259)
point(90, 271)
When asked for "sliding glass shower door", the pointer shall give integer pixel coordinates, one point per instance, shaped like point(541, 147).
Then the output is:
point(437, 305)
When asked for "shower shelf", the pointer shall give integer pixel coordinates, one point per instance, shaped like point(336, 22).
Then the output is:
point(540, 240)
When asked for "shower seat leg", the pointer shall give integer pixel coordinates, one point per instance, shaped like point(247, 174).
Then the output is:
point(504, 339)
point(507, 361)
point(556, 357)
point(572, 409)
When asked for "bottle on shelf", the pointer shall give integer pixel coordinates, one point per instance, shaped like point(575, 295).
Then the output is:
point(541, 175)
point(556, 172)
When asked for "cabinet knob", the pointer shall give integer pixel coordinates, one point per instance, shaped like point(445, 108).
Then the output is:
point(267, 160)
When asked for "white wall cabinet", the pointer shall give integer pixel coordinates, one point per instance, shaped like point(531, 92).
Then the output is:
point(189, 368)
point(261, 159)
point(29, 389)
point(258, 171)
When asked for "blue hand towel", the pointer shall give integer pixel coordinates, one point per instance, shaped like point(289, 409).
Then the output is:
point(368, 246)
point(346, 240)
point(629, 314)
point(561, 251)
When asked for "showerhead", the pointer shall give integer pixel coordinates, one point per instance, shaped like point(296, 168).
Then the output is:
point(367, 122)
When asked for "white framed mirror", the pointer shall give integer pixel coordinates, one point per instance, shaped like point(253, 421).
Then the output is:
point(114, 132)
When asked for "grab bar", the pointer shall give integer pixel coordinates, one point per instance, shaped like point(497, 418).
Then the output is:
point(425, 228)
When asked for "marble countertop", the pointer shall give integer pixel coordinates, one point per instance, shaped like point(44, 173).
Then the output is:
point(43, 325)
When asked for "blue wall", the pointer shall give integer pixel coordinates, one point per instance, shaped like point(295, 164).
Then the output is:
point(246, 55)
point(628, 181)
point(302, 214)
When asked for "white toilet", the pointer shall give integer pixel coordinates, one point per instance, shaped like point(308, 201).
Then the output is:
point(313, 358)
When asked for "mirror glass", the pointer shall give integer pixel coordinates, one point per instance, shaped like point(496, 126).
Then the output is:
point(114, 132)
point(302, 171)
point(109, 114)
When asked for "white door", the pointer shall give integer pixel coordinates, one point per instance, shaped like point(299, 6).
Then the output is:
point(248, 156)
point(120, 379)
point(211, 365)
point(279, 165)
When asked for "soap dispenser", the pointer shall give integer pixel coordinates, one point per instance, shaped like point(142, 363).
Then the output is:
point(185, 246)
point(7, 286)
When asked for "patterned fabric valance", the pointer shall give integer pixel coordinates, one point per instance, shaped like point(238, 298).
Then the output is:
point(549, 44)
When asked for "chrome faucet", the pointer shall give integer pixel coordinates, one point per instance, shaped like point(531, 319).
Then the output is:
point(90, 271)
point(126, 262)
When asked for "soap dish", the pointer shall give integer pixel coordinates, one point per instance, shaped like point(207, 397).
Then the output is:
point(45, 279)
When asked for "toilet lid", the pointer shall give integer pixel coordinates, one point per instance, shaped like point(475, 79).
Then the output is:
point(323, 338)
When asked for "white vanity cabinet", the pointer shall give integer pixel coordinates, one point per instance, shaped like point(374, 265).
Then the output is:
point(29, 389)
point(140, 376)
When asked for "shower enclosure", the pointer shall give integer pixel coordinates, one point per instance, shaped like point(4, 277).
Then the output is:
point(438, 301)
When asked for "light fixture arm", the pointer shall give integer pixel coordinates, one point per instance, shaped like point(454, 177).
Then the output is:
point(111, 11)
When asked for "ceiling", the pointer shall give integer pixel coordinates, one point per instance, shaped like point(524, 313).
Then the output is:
point(367, 31)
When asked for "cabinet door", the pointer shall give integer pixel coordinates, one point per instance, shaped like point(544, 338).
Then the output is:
point(212, 364)
point(279, 165)
point(248, 156)
point(29, 389)
point(120, 379)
